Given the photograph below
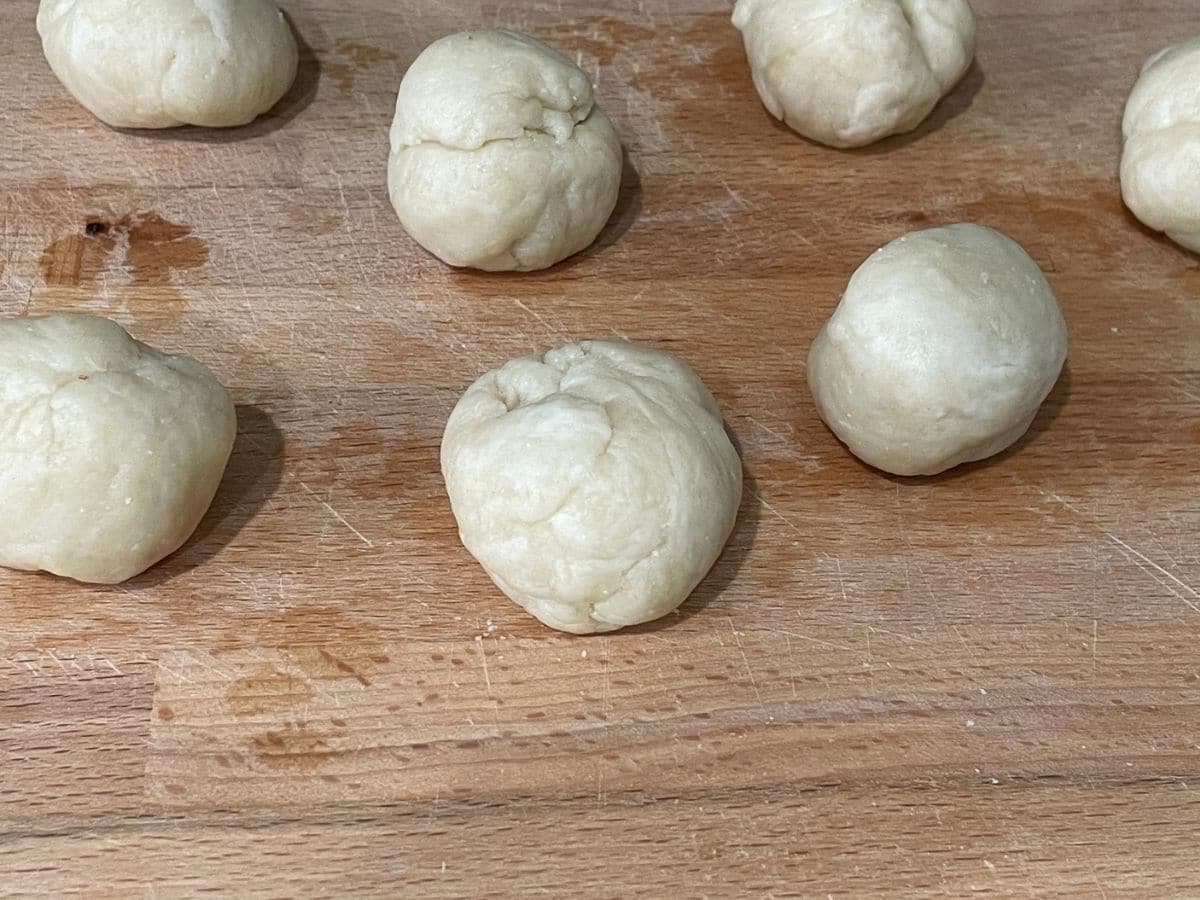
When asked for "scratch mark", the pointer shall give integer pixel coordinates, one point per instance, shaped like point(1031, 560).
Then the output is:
point(842, 582)
point(790, 524)
point(541, 320)
point(622, 335)
point(253, 588)
point(791, 678)
point(179, 677)
point(54, 657)
point(194, 658)
point(1095, 638)
point(606, 700)
point(771, 431)
point(1137, 555)
point(1183, 389)
point(487, 679)
point(746, 662)
point(963, 641)
point(904, 637)
point(813, 640)
point(337, 515)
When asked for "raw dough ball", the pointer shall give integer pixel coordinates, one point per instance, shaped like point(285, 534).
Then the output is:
point(849, 72)
point(501, 159)
point(1160, 169)
point(110, 452)
point(942, 349)
point(162, 63)
point(595, 484)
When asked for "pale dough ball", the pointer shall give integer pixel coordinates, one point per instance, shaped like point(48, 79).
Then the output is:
point(850, 72)
point(940, 352)
point(1160, 168)
point(501, 159)
point(110, 452)
point(163, 63)
point(596, 484)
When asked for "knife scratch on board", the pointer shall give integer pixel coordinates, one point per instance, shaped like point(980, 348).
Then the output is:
point(337, 515)
point(1169, 580)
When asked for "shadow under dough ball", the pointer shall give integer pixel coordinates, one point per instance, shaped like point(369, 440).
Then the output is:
point(165, 63)
point(941, 351)
point(501, 159)
point(110, 452)
point(847, 73)
point(595, 484)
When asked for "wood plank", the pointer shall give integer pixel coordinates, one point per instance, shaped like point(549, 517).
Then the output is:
point(981, 682)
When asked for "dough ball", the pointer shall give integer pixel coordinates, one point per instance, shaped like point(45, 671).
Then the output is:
point(501, 159)
point(595, 484)
point(110, 452)
point(1160, 168)
point(940, 352)
point(849, 72)
point(162, 63)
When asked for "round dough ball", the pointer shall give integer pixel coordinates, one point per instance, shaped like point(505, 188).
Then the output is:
point(110, 452)
point(163, 63)
point(940, 352)
point(850, 72)
point(1160, 168)
point(501, 160)
point(595, 484)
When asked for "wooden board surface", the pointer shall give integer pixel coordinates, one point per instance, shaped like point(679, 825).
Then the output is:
point(983, 682)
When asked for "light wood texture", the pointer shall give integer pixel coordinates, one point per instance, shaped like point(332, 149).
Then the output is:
point(985, 682)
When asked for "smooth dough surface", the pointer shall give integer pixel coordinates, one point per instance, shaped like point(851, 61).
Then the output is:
point(847, 73)
point(501, 159)
point(1160, 167)
point(940, 352)
point(110, 452)
point(596, 484)
point(163, 63)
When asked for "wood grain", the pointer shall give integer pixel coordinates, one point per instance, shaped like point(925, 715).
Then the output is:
point(985, 682)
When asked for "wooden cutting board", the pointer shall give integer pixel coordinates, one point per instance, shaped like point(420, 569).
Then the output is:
point(983, 682)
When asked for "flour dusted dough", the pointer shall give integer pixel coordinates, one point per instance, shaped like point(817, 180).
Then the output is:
point(1160, 168)
point(595, 484)
point(940, 352)
point(162, 63)
point(849, 72)
point(501, 159)
point(110, 452)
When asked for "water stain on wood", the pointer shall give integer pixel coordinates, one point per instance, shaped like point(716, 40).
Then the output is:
point(294, 746)
point(352, 58)
point(266, 690)
point(331, 663)
point(314, 625)
point(144, 246)
point(600, 37)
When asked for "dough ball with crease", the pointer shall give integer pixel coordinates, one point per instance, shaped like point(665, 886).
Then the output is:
point(164, 63)
point(596, 484)
point(1160, 167)
point(940, 352)
point(110, 452)
point(847, 73)
point(501, 159)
